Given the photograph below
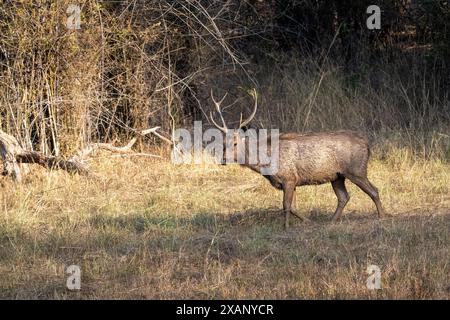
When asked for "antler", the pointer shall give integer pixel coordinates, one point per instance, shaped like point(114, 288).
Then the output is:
point(217, 104)
point(250, 118)
point(241, 124)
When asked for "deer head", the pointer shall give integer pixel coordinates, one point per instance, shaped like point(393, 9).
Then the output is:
point(232, 137)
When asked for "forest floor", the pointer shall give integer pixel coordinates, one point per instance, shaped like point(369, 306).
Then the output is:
point(148, 229)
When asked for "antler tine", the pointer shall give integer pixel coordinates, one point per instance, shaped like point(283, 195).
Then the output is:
point(217, 104)
point(223, 129)
point(250, 118)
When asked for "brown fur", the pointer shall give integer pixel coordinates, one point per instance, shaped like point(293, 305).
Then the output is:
point(317, 158)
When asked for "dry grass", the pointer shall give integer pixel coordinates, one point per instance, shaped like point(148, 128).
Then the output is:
point(150, 229)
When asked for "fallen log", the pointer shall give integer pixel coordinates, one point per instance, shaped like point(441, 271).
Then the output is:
point(12, 154)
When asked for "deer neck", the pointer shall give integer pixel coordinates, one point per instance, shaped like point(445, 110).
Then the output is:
point(258, 166)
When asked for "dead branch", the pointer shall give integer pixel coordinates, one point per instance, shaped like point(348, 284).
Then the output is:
point(8, 148)
point(13, 154)
point(153, 131)
point(125, 150)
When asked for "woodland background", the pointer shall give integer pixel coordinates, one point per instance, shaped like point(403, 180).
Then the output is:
point(135, 64)
point(144, 228)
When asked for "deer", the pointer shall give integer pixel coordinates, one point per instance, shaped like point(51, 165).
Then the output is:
point(308, 159)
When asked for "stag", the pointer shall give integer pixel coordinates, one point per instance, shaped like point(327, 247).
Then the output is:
point(310, 159)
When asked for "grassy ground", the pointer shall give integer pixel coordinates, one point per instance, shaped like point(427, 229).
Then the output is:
point(149, 229)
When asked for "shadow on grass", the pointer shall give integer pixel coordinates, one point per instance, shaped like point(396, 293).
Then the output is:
point(141, 222)
point(124, 248)
point(316, 216)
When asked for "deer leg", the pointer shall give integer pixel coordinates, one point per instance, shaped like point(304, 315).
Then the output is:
point(288, 194)
point(371, 191)
point(294, 197)
point(342, 195)
point(294, 211)
point(289, 204)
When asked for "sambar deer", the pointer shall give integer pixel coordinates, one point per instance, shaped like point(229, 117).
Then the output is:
point(311, 159)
